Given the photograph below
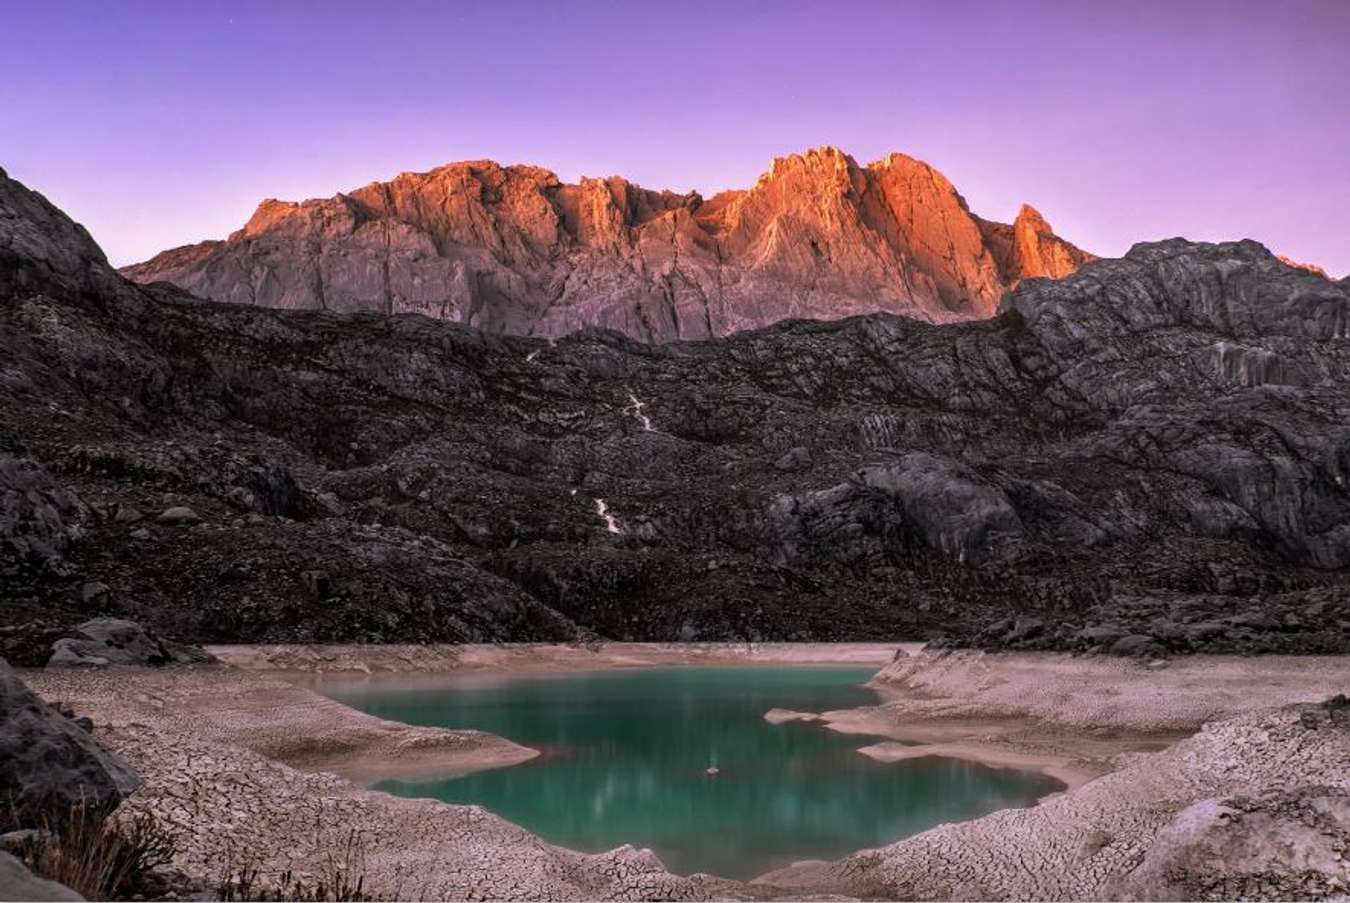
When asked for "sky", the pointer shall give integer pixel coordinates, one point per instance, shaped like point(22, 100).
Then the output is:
point(159, 124)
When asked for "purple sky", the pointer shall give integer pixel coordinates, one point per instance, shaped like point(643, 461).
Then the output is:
point(157, 124)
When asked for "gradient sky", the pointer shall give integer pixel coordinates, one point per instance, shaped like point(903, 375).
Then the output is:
point(158, 124)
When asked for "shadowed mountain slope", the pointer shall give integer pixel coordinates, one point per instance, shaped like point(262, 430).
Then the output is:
point(1149, 455)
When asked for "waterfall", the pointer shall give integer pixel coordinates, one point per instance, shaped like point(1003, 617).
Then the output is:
point(611, 522)
point(638, 409)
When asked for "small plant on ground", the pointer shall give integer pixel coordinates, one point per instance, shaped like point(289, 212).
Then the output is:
point(101, 859)
point(341, 877)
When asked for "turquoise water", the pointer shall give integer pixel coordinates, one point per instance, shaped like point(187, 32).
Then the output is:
point(626, 753)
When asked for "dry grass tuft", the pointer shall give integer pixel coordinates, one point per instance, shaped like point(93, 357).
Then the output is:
point(100, 859)
point(341, 877)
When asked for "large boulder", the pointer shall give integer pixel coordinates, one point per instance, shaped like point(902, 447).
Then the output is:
point(53, 766)
point(109, 641)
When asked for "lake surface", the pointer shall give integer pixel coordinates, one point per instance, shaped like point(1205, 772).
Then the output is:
point(626, 754)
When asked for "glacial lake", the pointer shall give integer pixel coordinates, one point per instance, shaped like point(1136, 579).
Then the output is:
point(626, 753)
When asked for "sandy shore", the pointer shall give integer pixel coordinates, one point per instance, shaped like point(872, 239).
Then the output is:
point(239, 762)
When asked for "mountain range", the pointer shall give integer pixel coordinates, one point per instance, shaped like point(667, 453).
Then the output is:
point(512, 249)
point(1149, 455)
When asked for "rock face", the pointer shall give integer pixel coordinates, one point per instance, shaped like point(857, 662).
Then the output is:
point(1154, 449)
point(52, 764)
point(38, 518)
point(511, 249)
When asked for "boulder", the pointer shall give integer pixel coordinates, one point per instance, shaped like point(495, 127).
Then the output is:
point(178, 516)
point(794, 459)
point(108, 641)
point(51, 765)
point(18, 883)
point(1099, 635)
point(1137, 645)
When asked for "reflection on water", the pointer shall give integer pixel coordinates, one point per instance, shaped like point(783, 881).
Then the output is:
point(627, 753)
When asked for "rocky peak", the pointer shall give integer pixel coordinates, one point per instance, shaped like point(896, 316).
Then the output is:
point(40, 245)
point(1038, 253)
point(1310, 267)
point(514, 249)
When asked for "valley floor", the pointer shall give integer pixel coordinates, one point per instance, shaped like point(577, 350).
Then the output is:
point(255, 771)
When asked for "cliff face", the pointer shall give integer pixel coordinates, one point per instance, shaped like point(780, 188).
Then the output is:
point(1151, 454)
point(511, 249)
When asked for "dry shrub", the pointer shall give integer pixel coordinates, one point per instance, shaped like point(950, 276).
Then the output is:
point(100, 859)
point(341, 877)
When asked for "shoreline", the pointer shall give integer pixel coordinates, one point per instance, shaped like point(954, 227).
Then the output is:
point(240, 757)
point(542, 658)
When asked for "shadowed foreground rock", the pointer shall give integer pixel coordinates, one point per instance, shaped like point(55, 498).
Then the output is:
point(53, 766)
point(18, 883)
point(1149, 456)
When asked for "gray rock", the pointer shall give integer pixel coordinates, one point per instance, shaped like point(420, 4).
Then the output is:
point(17, 841)
point(794, 459)
point(187, 654)
point(94, 594)
point(52, 766)
point(108, 641)
point(1204, 630)
point(1138, 646)
point(18, 883)
point(39, 519)
point(1100, 635)
point(178, 516)
point(933, 499)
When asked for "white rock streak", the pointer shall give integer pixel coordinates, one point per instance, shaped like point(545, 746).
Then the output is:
point(611, 522)
point(638, 409)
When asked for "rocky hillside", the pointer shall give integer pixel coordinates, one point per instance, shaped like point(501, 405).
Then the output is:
point(511, 249)
point(1149, 456)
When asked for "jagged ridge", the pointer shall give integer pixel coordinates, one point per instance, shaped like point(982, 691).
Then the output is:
point(512, 249)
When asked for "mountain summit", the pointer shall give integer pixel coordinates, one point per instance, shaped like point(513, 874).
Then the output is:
point(513, 249)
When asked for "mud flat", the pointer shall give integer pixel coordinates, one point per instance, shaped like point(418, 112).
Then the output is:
point(234, 764)
point(1256, 803)
point(1246, 794)
point(1070, 716)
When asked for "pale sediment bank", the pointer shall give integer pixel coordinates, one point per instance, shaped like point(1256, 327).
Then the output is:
point(525, 658)
point(233, 764)
point(273, 718)
point(1255, 804)
point(236, 763)
point(1070, 716)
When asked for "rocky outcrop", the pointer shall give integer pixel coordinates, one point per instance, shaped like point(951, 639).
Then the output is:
point(54, 768)
point(39, 518)
point(512, 249)
point(1150, 451)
